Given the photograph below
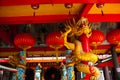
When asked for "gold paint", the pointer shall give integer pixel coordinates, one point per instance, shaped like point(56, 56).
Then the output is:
point(45, 53)
point(108, 8)
point(96, 51)
point(44, 9)
point(78, 54)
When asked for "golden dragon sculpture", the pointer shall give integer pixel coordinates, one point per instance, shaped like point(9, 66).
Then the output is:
point(78, 55)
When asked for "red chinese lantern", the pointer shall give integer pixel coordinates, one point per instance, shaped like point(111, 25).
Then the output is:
point(54, 41)
point(24, 41)
point(113, 37)
point(97, 37)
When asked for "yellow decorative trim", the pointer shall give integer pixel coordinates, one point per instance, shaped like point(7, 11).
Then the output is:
point(106, 8)
point(21, 66)
point(95, 51)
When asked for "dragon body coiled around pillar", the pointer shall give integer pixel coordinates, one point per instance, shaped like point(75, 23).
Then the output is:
point(79, 56)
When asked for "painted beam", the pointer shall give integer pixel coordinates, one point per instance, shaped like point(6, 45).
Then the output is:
point(35, 19)
point(38, 59)
point(35, 51)
point(108, 63)
point(31, 49)
point(99, 17)
point(86, 10)
point(27, 2)
point(102, 49)
point(57, 18)
point(103, 18)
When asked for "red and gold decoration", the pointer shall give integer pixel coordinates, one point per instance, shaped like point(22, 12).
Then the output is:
point(68, 6)
point(53, 41)
point(96, 38)
point(80, 49)
point(85, 40)
point(100, 5)
point(23, 41)
point(34, 7)
point(113, 37)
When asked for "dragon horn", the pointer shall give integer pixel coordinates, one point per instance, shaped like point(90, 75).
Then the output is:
point(70, 23)
point(74, 22)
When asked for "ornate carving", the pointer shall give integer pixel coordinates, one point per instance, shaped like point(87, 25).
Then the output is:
point(78, 55)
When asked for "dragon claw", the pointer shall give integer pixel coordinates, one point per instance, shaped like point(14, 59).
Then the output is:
point(93, 78)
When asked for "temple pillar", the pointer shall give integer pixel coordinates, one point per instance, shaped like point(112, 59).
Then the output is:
point(107, 75)
point(22, 66)
point(115, 62)
point(70, 69)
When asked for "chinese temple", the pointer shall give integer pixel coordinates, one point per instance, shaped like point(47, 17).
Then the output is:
point(59, 39)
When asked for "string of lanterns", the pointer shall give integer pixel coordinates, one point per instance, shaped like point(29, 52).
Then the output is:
point(53, 40)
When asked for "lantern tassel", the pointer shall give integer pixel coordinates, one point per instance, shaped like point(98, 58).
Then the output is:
point(102, 12)
point(34, 13)
point(56, 51)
